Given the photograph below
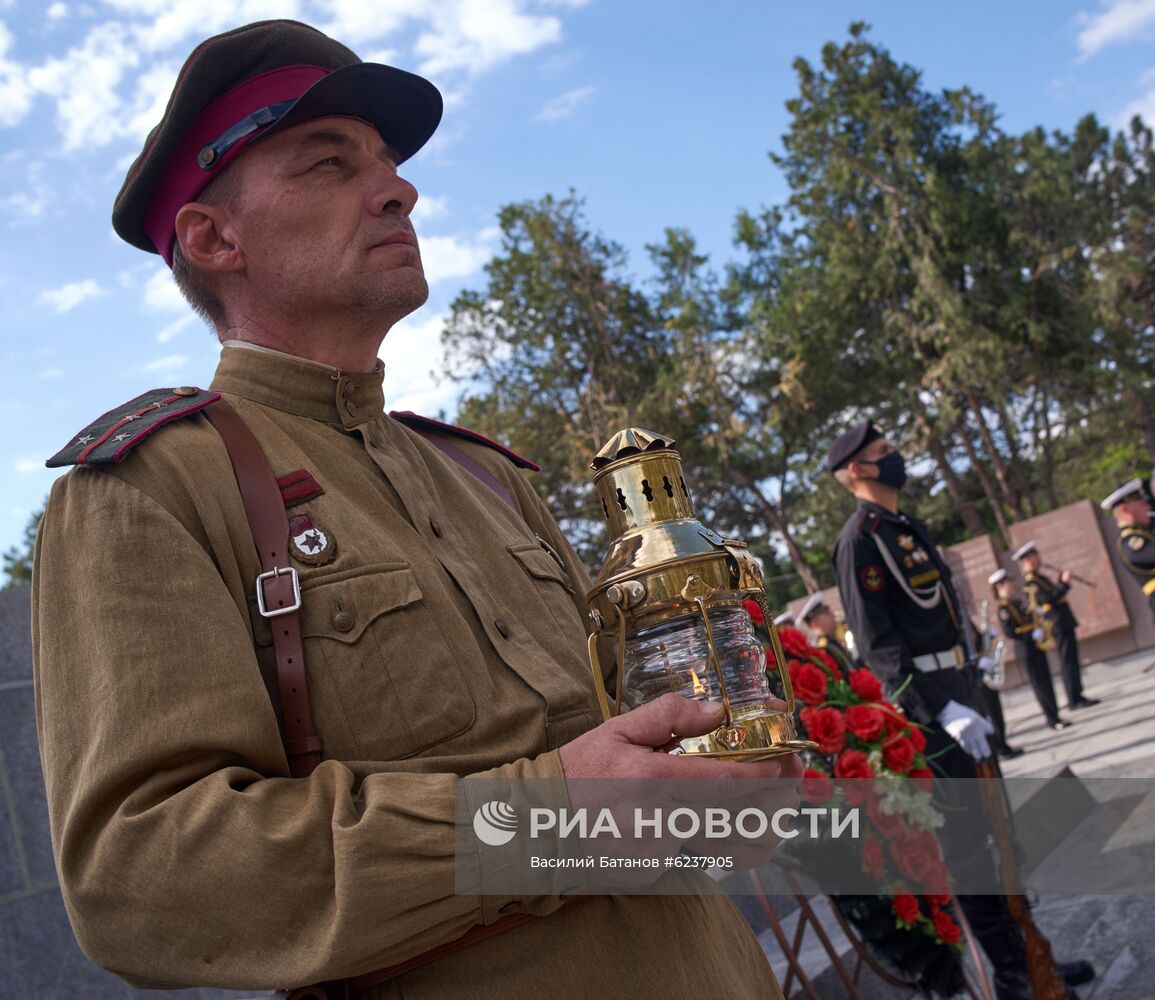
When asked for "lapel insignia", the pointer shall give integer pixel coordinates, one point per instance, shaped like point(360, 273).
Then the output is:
point(310, 543)
point(906, 542)
point(297, 487)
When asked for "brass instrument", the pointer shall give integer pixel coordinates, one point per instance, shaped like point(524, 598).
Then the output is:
point(1074, 576)
point(1047, 642)
point(668, 600)
point(994, 649)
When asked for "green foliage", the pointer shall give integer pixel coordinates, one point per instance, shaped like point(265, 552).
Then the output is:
point(18, 559)
point(988, 298)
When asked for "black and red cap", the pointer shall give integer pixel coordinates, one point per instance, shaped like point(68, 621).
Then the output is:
point(250, 83)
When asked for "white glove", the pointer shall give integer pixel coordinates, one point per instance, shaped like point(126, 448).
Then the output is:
point(967, 728)
point(1038, 635)
point(986, 664)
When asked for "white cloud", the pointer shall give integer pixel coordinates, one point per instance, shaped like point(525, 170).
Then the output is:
point(1118, 21)
point(564, 105)
point(1143, 106)
point(174, 328)
point(23, 466)
point(68, 297)
point(355, 21)
point(113, 84)
point(474, 35)
point(166, 369)
point(31, 196)
point(48, 374)
point(15, 90)
point(161, 293)
point(430, 207)
point(414, 362)
point(452, 257)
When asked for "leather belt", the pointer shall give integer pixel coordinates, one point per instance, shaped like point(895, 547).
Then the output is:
point(947, 660)
point(279, 599)
point(278, 590)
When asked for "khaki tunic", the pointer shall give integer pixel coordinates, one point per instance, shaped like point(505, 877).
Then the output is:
point(442, 640)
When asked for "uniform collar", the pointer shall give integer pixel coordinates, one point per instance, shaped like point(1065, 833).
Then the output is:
point(295, 385)
point(871, 507)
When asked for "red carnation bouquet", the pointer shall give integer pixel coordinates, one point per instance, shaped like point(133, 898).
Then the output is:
point(871, 755)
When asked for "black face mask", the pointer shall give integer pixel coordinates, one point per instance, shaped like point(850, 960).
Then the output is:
point(892, 470)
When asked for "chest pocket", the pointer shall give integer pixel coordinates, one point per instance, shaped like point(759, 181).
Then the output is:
point(384, 682)
point(551, 582)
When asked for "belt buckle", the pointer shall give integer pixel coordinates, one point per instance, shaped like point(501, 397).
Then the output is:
point(276, 571)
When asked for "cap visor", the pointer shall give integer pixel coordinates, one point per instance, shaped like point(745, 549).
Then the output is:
point(404, 108)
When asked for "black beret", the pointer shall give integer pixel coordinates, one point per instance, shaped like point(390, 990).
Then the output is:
point(246, 84)
point(847, 445)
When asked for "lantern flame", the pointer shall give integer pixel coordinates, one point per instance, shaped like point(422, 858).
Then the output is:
point(699, 687)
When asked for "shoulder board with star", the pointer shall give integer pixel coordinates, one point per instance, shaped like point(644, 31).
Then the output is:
point(420, 423)
point(869, 522)
point(108, 439)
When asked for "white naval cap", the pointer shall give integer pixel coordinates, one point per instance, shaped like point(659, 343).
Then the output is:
point(998, 576)
point(1126, 492)
point(1024, 550)
point(786, 618)
point(813, 603)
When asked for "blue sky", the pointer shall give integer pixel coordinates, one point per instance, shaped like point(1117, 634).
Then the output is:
point(658, 112)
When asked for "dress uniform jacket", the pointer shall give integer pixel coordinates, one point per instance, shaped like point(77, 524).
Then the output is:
point(1137, 550)
point(443, 634)
point(901, 604)
point(1050, 596)
point(1019, 625)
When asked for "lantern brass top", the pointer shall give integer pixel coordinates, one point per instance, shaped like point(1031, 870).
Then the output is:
point(631, 441)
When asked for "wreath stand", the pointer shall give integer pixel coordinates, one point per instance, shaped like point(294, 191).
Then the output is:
point(807, 917)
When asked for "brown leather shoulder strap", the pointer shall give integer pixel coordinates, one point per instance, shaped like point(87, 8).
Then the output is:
point(442, 442)
point(277, 587)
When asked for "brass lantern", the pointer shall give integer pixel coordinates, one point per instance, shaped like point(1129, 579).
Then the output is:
point(669, 600)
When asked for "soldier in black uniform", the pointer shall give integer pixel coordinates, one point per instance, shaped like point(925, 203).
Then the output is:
point(1133, 507)
point(1022, 629)
point(817, 615)
point(1049, 599)
point(909, 627)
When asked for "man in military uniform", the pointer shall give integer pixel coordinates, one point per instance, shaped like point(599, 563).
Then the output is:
point(1048, 599)
point(1132, 506)
point(908, 623)
point(818, 616)
point(440, 617)
point(1020, 627)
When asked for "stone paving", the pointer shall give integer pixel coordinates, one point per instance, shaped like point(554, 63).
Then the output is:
point(1114, 739)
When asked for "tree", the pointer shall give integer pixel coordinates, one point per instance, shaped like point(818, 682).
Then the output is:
point(559, 352)
point(18, 559)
